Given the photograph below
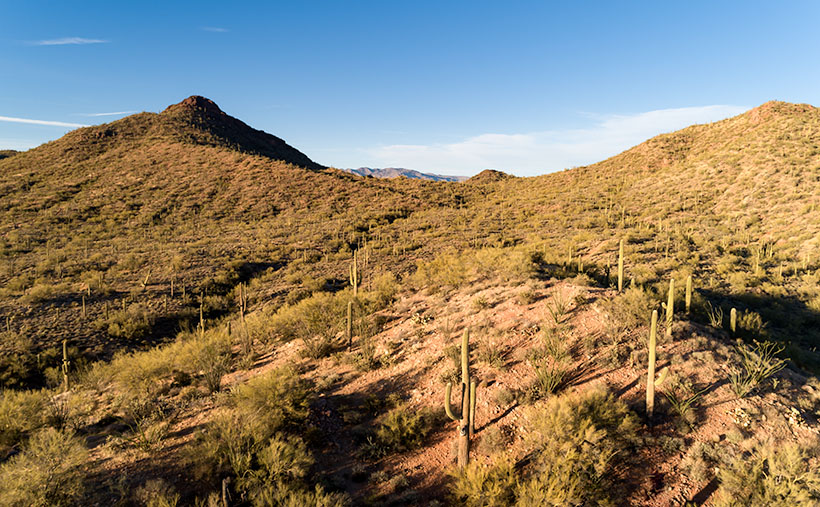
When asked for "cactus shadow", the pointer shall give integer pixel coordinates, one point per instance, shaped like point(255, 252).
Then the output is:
point(497, 418)
point(706, 492)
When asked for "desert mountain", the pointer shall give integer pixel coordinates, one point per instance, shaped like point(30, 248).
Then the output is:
point(397, 172)
point(182, 253)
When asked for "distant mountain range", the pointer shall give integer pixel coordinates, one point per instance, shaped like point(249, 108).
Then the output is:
point(395, 172)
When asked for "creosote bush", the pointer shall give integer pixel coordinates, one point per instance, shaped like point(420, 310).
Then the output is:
point(629, 309)
point(402, 429)
point(21, 412)
point(133, 323)
point(773, 475)
point(255, 439)
point(481, 485)
point(590, 433)
point(46, 473)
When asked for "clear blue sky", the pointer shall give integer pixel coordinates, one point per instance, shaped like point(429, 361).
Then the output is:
point(447, 87)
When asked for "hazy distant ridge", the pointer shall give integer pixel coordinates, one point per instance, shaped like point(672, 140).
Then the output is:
point(395, 172)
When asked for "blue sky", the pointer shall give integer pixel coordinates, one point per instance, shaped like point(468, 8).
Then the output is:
point(447, 87)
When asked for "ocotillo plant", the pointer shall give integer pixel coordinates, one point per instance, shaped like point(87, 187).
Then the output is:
point(688, 294)
point(621, 267)
point(466, 419)
point(66, 362)
point(354, 273)
point(670, 307)
point(651, 381)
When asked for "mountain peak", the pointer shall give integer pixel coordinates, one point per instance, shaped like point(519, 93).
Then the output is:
point(196, 103)
point(774, 108)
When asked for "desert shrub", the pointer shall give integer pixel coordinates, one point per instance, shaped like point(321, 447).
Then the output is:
point(549, 378)
point(156, 493)
point(751, 324)
point(630, 309)
point(589, 432)
point(191, 353)
point(480, 485)
point(400, 429)
point(46, 473)
point(314, 320)
point(454, 269)
point(276, 495)
point(526, 296)
point(214, 360)
point(42, 291)
point(491, 351)
point(133, 323)
point(18, 364)
point(700, 460)
point(254, 439)
point(385, 287)
point(20, 413)
point(772, 475)
point(280, 398)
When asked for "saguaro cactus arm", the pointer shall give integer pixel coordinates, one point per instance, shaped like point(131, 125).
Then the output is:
point(447, 407)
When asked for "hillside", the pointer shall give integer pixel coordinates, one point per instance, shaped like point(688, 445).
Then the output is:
point(200, 272)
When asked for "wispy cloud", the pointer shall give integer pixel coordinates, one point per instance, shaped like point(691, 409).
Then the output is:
point(546, 151)
point(41, 122)
point(215, 29)
point(116, 113)
point(67, 41)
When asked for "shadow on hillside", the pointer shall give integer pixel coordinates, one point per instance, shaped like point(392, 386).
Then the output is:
point(786, 320)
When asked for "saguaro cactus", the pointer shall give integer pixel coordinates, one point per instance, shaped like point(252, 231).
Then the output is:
point(670, 307)
point(733, 320)
point(466, 419)
point(688, 294)
point(66, 362)
point(621, 267)
point(354, 273)
point(651, 381)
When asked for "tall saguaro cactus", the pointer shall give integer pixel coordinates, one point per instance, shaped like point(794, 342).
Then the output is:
point(688, 294)
point(354, 273)
point(651, 381)
point(621, 267)
point(466, 419)
point(66, 363)
point(670, 307)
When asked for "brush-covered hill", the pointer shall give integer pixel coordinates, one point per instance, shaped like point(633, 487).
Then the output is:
point(200, 273)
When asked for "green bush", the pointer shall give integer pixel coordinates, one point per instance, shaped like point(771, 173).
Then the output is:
point(132, 324)
point(772, 475)
point(480, 485)
point(402, 429)
point(20, 413)
point(278, 399)
point(255, 441)
point(46, 473)
point(630, 309)
point(589, 433)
